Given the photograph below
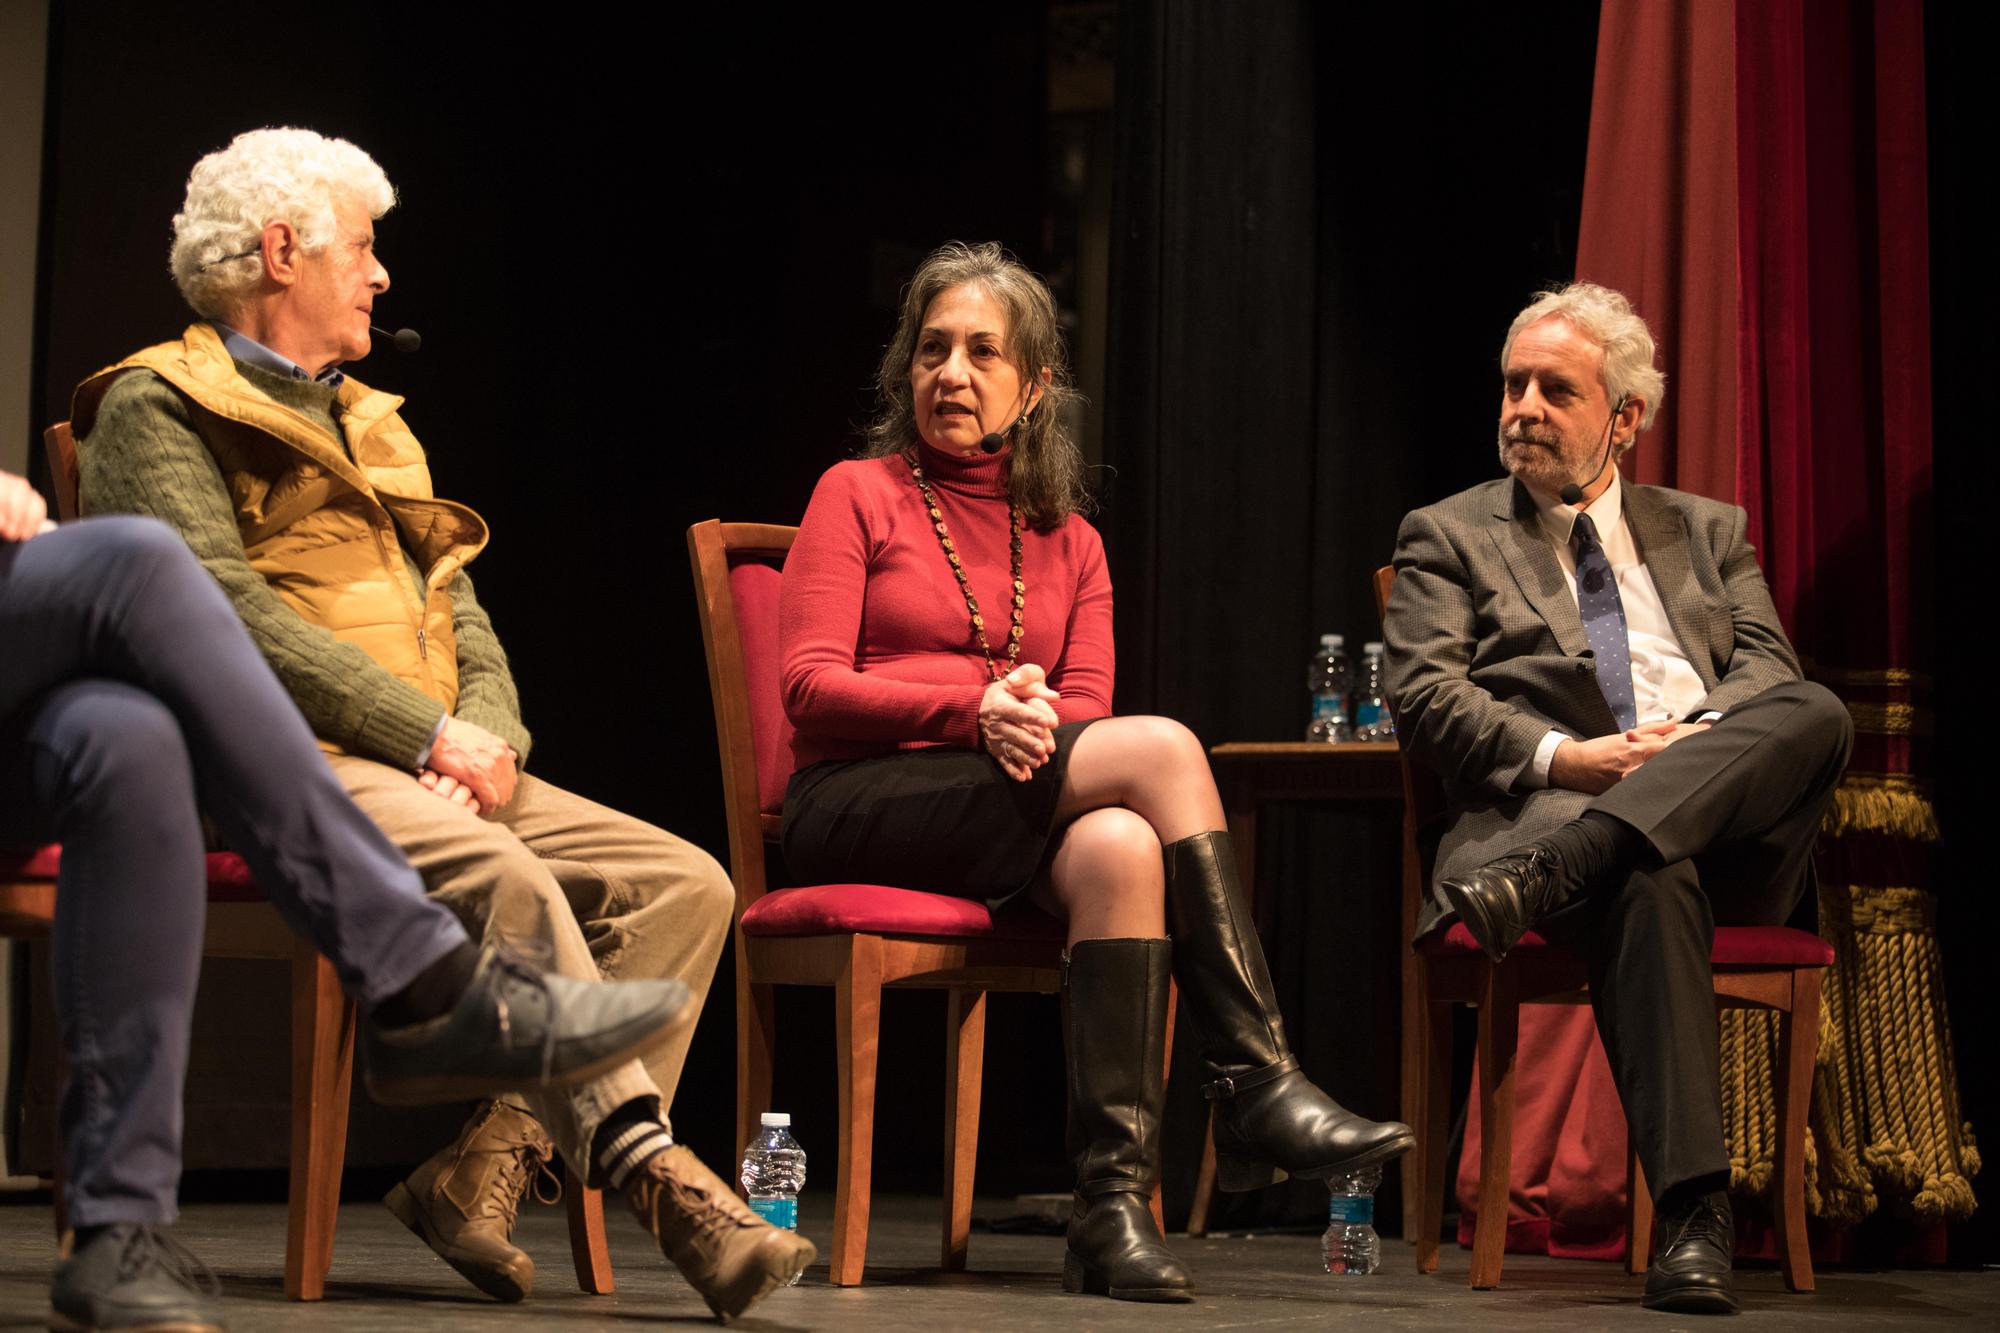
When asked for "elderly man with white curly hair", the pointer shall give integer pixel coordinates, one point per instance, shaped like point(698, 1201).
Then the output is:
point(309, 500)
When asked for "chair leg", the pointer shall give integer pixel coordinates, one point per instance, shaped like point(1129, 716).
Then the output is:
point(1166, 1075)
point(1434, 1127)
point(1798, 1049)
point(1499, 1033)
point(1638, 1213)
point(322, 1077)
point(588, 1250)
point(857, 1010)
point(756, 1050)
point(1204, 1180)
point(964, 1059)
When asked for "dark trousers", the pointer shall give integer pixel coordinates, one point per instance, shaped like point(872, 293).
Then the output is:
point(129, 693)
point(1731, 815)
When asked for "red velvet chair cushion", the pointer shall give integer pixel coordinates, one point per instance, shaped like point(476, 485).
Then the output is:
point(875, 909)
point(228, 877)
point(1769, 946)
point(754, 586)
point(1459, 940)
point(1735, 946)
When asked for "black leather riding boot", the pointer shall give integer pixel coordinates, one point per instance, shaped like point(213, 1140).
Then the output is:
point(1270, 1121)
point(1114, 1006)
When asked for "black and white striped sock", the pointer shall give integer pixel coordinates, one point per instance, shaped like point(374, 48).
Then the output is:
point(631, 1148)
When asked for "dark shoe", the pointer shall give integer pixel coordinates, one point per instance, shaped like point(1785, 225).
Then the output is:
point(1690, 1272)
point(726, 1252)
point(134, 1277)
point(1114, 1008)
point(1270, 1119)
point(463, 1201)
point(516, 1028)
point(1502, 900)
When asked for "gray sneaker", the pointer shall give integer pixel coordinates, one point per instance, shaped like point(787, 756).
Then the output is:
point(133, 1276)
point(517, 1027)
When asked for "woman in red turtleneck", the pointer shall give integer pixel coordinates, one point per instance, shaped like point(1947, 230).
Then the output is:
point(946, 634)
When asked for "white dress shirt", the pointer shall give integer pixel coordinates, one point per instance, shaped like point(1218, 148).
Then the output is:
point(1665, 685)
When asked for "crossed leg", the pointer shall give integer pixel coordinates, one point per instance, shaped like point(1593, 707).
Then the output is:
point(1133, 785)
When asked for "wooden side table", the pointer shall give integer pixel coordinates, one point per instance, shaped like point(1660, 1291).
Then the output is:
point(1249, 773)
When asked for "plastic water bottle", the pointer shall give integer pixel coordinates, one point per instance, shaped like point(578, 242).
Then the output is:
point(774, 1171)
point(1350, 1245)
point(1371, 713)
point(1327, 680)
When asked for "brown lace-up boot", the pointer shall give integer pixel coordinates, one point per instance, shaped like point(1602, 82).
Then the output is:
point(464, 1200)
point(727, 1253)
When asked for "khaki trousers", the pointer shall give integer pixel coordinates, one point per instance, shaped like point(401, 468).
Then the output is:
point(597, 892)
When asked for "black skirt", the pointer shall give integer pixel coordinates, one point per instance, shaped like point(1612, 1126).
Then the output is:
point(944, 821)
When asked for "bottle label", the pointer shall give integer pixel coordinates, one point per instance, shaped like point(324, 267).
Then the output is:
point(1367, 714)
point(1329, 708)
point(778, 1212)
point(1354, 1210)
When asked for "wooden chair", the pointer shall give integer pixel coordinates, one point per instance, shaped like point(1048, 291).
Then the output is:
point(854, 938)
point(1755, 967)
point(241, 924)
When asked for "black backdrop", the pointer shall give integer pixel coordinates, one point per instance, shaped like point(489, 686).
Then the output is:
point(653, 261)
point(654, 258)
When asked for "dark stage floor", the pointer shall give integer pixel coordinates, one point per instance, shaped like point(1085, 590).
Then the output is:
point(383, 1279)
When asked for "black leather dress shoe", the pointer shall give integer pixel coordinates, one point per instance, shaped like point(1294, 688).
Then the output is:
point(133, 1276)
point(517, 1027)
point(1502, 899)
point(1690, 1274)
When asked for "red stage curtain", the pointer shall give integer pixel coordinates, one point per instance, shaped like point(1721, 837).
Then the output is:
point(1756, 185)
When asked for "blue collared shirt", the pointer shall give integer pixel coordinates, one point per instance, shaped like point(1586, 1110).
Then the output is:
point(248, 350)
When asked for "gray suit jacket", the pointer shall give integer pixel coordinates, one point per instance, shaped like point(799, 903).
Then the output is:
point(1487, 652)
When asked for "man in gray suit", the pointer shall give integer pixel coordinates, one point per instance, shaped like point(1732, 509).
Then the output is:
point(1597, 672)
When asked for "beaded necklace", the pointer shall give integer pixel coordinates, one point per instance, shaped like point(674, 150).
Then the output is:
point(958, 572)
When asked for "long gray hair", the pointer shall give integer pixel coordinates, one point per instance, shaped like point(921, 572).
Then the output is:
point(1045, 477)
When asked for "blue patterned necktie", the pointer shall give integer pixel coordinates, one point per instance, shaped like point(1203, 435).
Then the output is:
point(1604, 623)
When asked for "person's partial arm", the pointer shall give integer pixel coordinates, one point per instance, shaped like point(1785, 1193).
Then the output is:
point(143, 456)
point(1084, 672)
point(819, 626)
point(23, 512)
point(1452, 724)
point(1761, 656)
point(487, 696)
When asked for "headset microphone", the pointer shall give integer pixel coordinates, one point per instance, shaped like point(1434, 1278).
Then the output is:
point(993, 441)
point(403, 340)
point(1572, 494)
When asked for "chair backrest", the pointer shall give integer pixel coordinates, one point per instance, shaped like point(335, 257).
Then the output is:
point(1423, 794)
point(738, 572)
point(61, 449)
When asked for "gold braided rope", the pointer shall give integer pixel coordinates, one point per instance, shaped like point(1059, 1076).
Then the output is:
point(1886, 1119)
point(1885, 1109)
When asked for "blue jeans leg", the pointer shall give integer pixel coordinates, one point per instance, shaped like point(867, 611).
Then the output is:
point(122, 598)
point(101, 767)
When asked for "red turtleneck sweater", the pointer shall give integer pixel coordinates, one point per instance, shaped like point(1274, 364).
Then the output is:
point(877, 645)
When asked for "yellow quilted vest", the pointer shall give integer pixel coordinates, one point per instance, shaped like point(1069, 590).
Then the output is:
point(321, 522)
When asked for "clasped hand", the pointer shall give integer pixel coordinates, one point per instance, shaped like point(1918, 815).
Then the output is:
point(471, 766)
point(1596, 765)
point(1017, 721)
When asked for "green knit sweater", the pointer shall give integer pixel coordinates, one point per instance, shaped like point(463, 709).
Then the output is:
point(143, 456)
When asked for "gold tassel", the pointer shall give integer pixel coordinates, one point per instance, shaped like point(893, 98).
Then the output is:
point(1886, 803)
point(1886, 1048)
